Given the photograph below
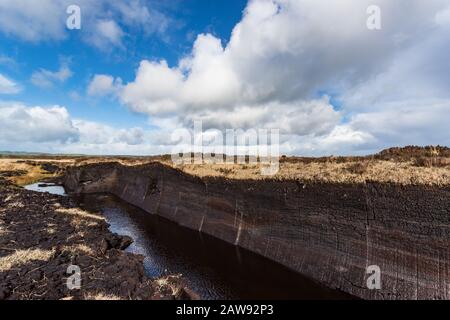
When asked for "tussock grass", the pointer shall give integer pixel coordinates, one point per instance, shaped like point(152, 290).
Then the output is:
point(101, 296)
point(79, 249)
point(332, 172)
point(410, 165)
point(32, 173)
point(21, 257)
point(80, 214)
point(329, 170)
point(169, 283)
point(430, 162)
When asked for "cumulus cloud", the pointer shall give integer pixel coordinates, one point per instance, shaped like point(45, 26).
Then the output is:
point(8, 62)
point(101, 134)
point(133, 136)
point(44, 78)
point(106, 33)
point(407, 122)
point(8, 86)
point(99, 138)
point(31, 21)
point(310, 68)
point(206, 87)
point(102, 20)
point(20, 123)
point(52, 129)
point(103, 85)
point(316, 117)
point(285, 57)
point(148, 19)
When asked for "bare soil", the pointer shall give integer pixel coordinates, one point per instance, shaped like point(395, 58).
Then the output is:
point(42, 234)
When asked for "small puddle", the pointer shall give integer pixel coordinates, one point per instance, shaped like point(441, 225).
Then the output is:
point(211, 267)
point(46, 187)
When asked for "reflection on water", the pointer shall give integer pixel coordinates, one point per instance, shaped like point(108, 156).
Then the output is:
point(212, 268)
point(43, 187)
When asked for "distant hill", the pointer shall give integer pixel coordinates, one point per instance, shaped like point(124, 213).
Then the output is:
point(395, 153)
point(17, 154)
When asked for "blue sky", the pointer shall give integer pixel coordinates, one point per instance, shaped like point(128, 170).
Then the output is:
point(139, 70)
point(190, 17)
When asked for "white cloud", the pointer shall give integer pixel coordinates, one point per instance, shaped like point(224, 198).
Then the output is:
point(106, 34)
point(135, 13)
point(102, 139)
point(284, 60)
point(443, 17)
point(284, 56)
point(8, 62)
point(155, 89)
point(102, 20)
point(31, 21)
point(316, 117)
point(103, 85)
point(37, 124)
point(342, 140)
point(414, 122)
point(52, 129)
point(212, 92)
point(46, 79)
point(8, 86)
point(95, 133)
point(133, 136)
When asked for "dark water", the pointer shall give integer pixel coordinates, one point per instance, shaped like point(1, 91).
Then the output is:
point(212, 268)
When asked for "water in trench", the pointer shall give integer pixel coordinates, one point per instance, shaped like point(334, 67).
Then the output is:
point(46, 187)
point(212, 268)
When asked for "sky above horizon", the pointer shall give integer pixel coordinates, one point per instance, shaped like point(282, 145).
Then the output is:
point(138, 70)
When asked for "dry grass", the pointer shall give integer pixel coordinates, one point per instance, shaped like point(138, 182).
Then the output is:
point(80, 214)
point(33, 173)
point(397, 165)
point(358, 167)
point(169, 283)
point(101, 296)
point(21, 257)
point(353, 172)
point(410, 165)
point(81, 219)
point(79, 249)
point(51, 229)
point(430, 162)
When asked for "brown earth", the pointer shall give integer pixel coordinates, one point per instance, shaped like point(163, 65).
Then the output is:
point(327, 218)
point(42, 234)
point(328, 231)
